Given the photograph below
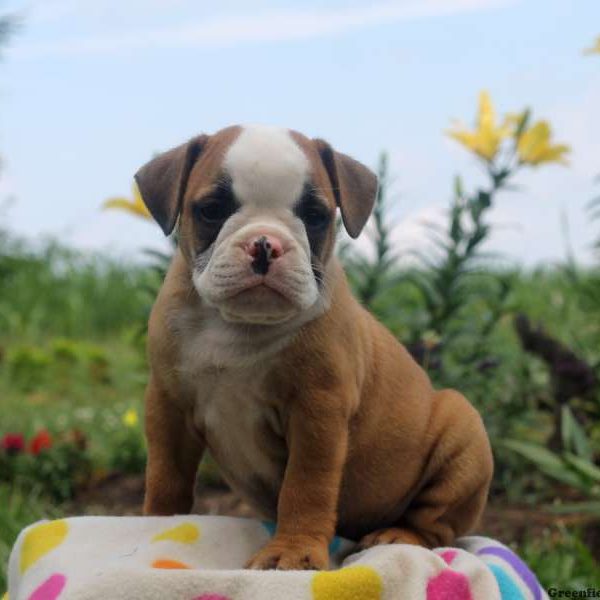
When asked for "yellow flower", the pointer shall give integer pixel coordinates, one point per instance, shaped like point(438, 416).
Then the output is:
point(534, 146)
point(130, 418)
point(595, 49)
point(486, 139)
point(135, 206)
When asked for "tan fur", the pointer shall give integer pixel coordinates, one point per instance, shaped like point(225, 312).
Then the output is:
point(324, 423)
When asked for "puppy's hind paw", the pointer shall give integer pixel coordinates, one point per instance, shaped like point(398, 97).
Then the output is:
point(392, 535)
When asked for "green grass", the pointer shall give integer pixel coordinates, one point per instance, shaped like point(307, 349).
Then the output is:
point(57, 291)
point(18, 510)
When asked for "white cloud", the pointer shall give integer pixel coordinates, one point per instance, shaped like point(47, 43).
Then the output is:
point(49, 11)
point(251, 28)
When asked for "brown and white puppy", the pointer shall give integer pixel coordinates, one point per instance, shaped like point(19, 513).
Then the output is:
point(315, 413)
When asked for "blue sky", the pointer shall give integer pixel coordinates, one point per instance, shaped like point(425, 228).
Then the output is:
point(89, 90)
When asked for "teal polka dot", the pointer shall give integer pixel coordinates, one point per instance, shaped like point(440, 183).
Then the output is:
point(270, 527)
point(333, 547)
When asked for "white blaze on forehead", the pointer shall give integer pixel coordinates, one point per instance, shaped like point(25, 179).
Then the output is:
point(267, 167)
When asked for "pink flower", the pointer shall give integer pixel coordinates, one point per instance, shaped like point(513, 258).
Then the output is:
point(13, 443)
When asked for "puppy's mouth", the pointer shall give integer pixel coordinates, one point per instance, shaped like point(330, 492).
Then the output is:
point(260, 290)
point(260, 303)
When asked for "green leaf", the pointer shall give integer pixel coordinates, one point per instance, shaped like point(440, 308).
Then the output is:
point(549, 463)
point(423, 285)
point(458, 187)
point(575, 507)
point(574, 438)
point(585, 467)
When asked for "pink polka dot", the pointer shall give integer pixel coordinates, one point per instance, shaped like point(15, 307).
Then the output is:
point(50, 589)
point(449, 585)
point(211, 597)
point(448, 556)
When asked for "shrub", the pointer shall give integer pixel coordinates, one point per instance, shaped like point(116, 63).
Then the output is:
point(28, 367)
point(57, 470)
point(127, 446)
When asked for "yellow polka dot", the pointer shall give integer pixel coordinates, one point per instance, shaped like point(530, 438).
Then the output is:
point(350, 583)
point(5, 597)
point(186, 533)
point(40, 540)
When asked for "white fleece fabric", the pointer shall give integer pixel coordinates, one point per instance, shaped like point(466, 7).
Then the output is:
point(202, 558)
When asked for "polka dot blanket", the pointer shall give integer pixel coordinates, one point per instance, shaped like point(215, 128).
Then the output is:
point(201, 558)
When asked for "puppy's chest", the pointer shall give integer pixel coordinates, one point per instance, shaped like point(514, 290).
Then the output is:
point(243, 425)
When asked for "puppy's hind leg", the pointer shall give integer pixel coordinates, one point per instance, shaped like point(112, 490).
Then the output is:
point(455, 483)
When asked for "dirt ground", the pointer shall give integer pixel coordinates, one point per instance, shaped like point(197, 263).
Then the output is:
point(118, 494)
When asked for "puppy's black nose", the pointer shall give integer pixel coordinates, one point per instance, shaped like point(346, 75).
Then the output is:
point(264, 250)
point(262, 255)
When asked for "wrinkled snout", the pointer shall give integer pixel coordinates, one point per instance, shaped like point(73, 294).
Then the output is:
point(264, 250)
point(260, 273)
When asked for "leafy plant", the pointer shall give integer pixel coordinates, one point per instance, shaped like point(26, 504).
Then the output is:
point(33, 367)
point(593, 211)
point(371, 276)
point(561, 559)
point(128, 450)
point(574, 466)
point(64, 292)
point(98, 364)
point(57, 470)
point(28, 366)
point(446, 285)
point(158, 260)
point(587, 281)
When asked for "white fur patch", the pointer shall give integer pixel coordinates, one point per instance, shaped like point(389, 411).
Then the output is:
point(267, 168)
point(238, 405)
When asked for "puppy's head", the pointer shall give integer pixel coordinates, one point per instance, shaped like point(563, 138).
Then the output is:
point(256, 209)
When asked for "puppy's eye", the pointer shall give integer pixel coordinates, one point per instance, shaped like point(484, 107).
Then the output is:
point(315, 217)
point(212, 212)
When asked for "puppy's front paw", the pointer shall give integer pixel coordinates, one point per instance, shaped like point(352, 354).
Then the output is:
point(297, 553)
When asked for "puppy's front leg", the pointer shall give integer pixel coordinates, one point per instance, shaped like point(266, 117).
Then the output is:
point(307, 507)
point(174, 452)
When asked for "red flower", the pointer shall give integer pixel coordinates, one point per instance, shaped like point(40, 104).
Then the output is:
point(41, 441)
point(13, 443)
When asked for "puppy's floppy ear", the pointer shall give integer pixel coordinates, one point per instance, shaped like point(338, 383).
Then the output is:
point(354, 187)
point(163, 180)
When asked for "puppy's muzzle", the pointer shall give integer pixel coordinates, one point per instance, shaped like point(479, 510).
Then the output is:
point(264, 250)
